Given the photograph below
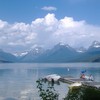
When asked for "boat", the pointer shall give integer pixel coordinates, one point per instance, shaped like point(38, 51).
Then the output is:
point(52, 77)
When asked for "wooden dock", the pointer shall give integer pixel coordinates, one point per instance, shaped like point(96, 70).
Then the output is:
point(71, 80)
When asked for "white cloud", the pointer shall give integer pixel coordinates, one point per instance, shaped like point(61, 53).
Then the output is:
point(47, 32)
point(3, 24)
point(49, 8)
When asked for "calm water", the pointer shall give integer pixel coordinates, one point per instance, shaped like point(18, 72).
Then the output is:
point(18, 81)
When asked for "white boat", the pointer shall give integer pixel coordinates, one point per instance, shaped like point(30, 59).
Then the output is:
point(53, 77)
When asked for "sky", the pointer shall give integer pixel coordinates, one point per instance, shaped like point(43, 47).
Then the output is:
point(25, 24)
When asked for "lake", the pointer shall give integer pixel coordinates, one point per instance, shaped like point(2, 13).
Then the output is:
point(18, 80)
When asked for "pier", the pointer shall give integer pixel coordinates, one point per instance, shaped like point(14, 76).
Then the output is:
point(71, 80)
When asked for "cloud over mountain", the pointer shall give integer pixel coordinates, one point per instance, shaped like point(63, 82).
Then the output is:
point(47, 32)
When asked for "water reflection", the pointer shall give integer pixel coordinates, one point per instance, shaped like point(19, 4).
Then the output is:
point(18, 81)
point(5, 72)
point(10, 99)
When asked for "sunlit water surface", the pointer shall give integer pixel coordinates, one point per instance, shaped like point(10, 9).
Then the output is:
point(18, 81)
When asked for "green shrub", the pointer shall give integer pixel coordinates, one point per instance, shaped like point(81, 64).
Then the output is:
point(46, 90)
point(83, 93)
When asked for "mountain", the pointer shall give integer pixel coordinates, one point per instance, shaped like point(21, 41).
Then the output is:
point(81, 50)
point(7, 57)
point(91, 54)
point(31, 55)
point(63, 53)
point(59, 53)
point(94, 51)
point(20, 54)
point(97, 59)
point(95, 44)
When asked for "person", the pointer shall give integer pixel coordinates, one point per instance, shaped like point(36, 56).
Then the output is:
point(82, 76)
point(52, 82)
point(91, 78)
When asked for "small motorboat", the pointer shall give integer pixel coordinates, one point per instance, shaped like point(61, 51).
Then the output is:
point(53, 77)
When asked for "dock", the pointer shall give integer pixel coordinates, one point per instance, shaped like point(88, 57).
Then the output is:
point(71, 80)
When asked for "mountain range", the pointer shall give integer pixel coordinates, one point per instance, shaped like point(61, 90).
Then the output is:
point(60, 53)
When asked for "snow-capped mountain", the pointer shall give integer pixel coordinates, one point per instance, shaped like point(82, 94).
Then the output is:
point(92, 53)
point(95, 44)
point(94, 47)
point(81, 50)
point(59, 53)
point(65, 47)
point(32, 54)
point(61, 45)
point(20, 54)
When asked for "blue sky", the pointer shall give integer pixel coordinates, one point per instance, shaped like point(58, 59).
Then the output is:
point(24, 24)
point(28, 10)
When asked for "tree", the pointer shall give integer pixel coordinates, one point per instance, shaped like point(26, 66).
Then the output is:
point(46, 90)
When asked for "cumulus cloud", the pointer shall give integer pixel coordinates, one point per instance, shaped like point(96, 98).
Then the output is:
point(47, 32)
point(3, 24)
point(49, 8)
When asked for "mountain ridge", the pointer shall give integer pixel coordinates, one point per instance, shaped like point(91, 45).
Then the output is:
point(61, 53)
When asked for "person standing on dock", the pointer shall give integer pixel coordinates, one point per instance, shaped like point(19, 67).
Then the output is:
point(91, 78)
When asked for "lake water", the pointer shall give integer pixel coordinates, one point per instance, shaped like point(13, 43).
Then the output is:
point(18, 81)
